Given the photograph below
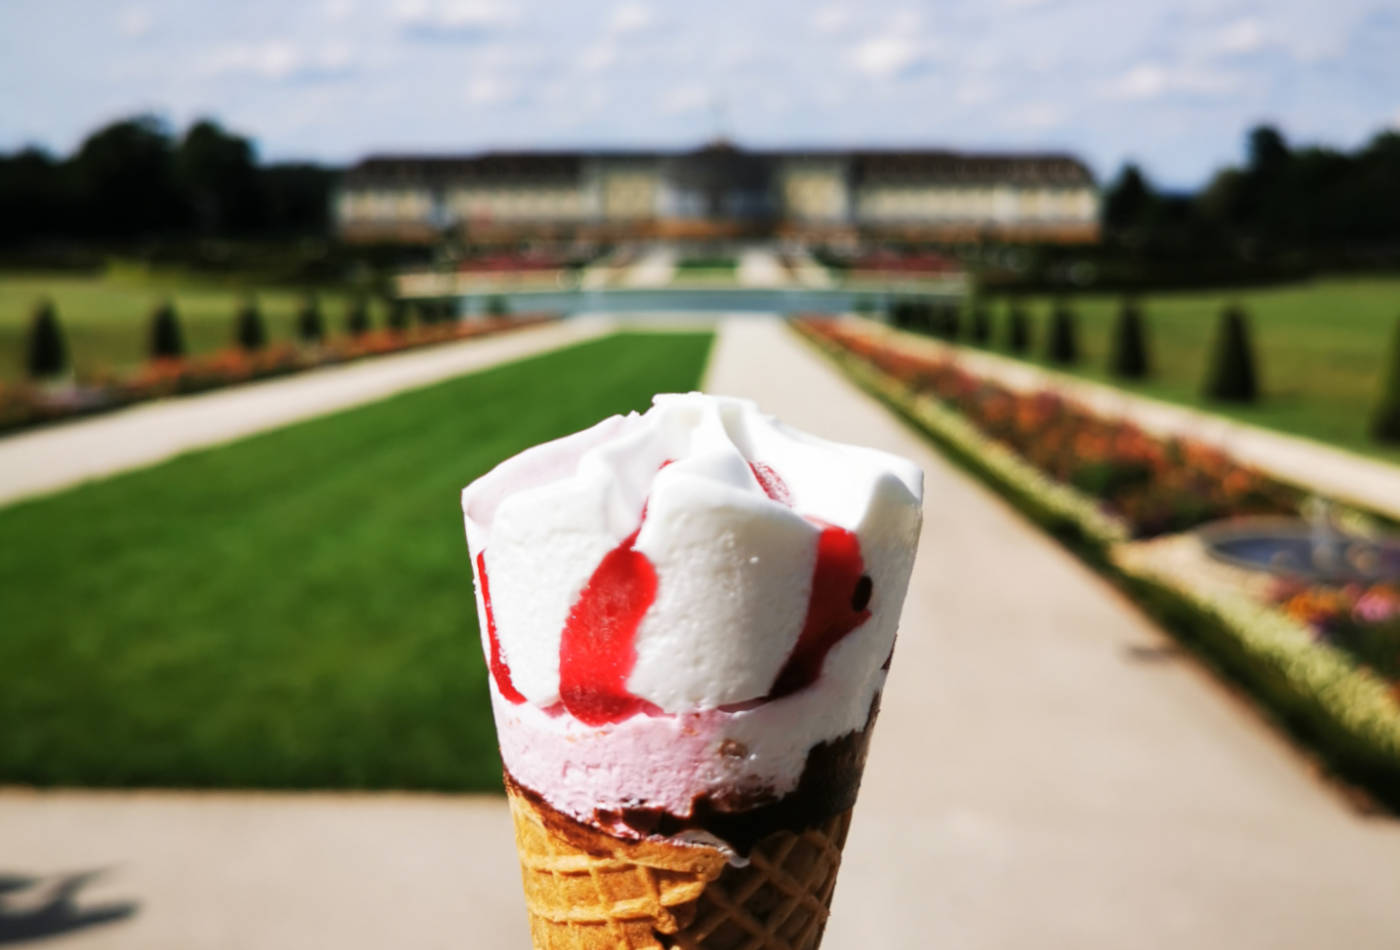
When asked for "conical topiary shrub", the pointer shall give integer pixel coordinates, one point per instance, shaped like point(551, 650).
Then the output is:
point(1062, 344)
point(1018, 329)
point(906, 314)
point(309, 326)
point(1385, 421)
point(398, 315)
point(950, 323)
point(248, 327)
point(980, 325)
point(1231, 376)
point(46, 354)
point(1127, 356)
point(357, 317)
point(167, 342)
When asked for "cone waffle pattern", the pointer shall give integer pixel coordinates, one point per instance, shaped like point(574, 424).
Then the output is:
point(586, 890)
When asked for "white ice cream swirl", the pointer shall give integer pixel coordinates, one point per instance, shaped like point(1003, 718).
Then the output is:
point(667, 585)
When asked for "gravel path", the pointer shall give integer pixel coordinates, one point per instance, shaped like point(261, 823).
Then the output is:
point(1049, 771)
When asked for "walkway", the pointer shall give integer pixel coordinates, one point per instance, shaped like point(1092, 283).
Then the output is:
point(759, 267)
point(655, 268)
point(55, 457)
point(1048, 771)
point(1330, 471)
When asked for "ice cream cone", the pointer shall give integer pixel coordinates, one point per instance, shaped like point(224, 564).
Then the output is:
point(588, 890)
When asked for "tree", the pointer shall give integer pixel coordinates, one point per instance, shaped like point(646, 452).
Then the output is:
point(249, 330)
point(46, 354)
point(1385, 421)
point(219, 177)
point(1062, 345)
point(309, 326)
point(1128, 200)
point(1268, 151)
point(357, 317)
point(1128, 344)
point(35, 196)
point(296, 198)
point(167, 342)
point(125, 180)
point(980, 329)
point(950, 322)
point(1018, 329)
point(1231, 376)
point(399, 317)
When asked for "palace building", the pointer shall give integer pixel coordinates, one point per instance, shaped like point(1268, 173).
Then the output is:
point(719, 191)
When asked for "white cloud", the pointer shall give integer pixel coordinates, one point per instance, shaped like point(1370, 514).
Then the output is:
point(630, 18)
point(885, 56)
point(337, 10)
point(278, 60)
point(135, 22)
point(598, 58)
point(1147, 81)
point(691, 97)
point(1240, 36)
point(1036, 116)
point(454, 16)
point(489, 91)
point(974, 92)
point(832, 19)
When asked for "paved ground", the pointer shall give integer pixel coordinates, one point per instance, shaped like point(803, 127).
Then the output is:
point(758, 266)
point(1332, 471)
point(809, 272)
point(56, 457)
point(1048, 772)
point(656, 267)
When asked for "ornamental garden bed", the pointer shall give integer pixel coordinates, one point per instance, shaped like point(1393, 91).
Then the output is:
point(28, 404)
point(1323, 660)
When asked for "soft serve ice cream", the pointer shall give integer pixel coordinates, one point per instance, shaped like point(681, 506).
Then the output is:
point(688, 617)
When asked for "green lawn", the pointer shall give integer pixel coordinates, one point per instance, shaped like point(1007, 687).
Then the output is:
point(105, 318)
point(292, 610)
point(1320, 349)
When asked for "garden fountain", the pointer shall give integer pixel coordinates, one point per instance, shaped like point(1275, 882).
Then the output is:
point(1311, 548)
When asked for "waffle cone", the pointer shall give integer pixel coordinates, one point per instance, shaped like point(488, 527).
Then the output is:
point(587, 890)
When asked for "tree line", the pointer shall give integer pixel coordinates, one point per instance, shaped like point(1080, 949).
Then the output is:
point(1282, 199)
point(136, 178)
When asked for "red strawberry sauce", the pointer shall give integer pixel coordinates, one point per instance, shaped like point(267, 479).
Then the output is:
point(598, 649)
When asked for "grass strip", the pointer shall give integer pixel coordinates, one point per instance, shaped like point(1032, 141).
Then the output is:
point(292, 610)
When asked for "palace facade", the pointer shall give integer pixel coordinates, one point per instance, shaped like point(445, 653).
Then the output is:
point(718, 191)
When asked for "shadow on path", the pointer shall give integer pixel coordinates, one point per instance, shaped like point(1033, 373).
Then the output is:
point(52, 909)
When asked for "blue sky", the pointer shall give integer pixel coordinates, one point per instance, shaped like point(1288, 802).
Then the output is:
point(1172, 85)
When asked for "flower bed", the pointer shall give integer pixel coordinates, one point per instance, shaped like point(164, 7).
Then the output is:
point(1155, 486)
point(1323, 661)
point(1360, 619)
point(29, 404)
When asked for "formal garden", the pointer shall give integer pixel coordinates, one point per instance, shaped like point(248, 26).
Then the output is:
point(91, 344)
